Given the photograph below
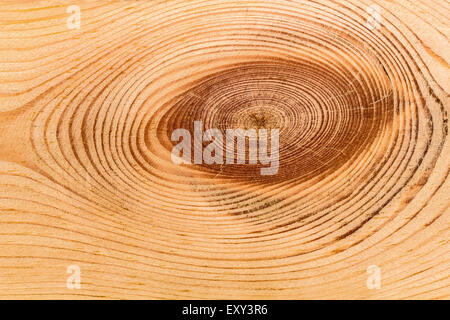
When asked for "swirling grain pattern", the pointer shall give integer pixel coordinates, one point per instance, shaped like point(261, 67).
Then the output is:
point(86, 177)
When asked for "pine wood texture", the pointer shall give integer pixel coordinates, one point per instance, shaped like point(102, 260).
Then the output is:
point(86, 176)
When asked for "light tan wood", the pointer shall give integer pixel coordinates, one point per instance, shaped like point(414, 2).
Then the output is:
point(86, 177)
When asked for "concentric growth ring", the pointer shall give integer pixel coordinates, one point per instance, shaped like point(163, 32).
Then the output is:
point(363, 149)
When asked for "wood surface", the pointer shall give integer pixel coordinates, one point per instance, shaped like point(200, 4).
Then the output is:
point(86, 176)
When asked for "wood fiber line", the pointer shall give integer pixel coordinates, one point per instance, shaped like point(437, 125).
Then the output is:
point(86, 176)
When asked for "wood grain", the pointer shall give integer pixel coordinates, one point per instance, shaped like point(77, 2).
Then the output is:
point(86, 176)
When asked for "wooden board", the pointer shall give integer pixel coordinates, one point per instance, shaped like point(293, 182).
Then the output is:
point(359, 91)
